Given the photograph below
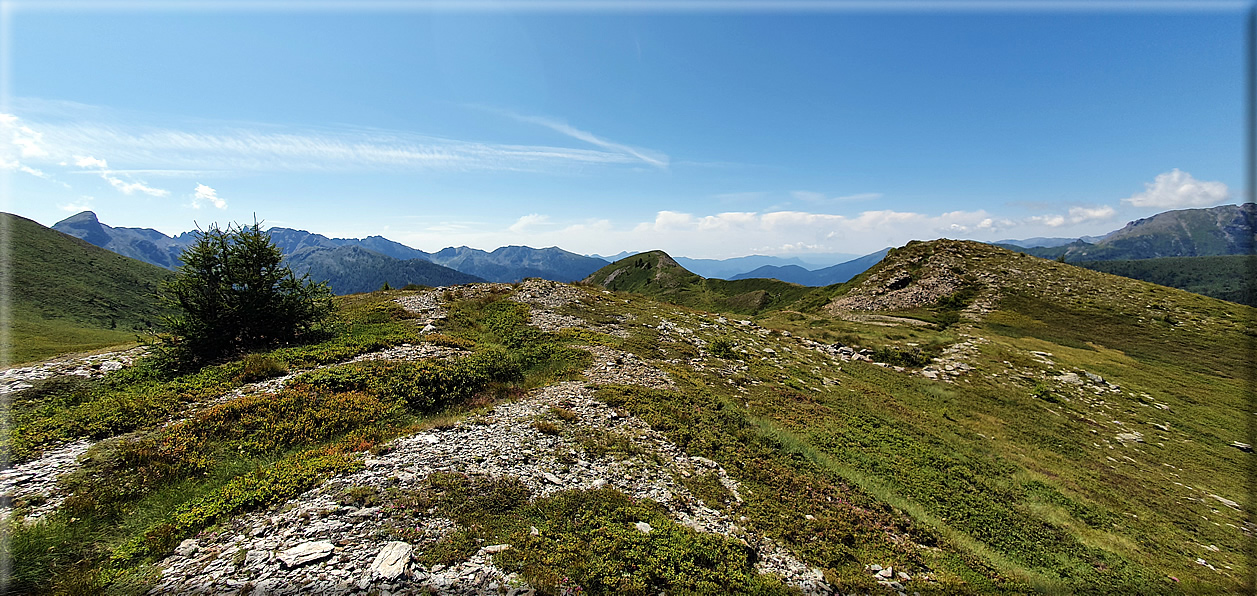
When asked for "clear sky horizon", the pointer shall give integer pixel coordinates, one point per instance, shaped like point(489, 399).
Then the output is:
point(708, 131)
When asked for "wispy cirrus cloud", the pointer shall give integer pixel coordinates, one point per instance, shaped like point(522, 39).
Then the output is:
point(101, 167)
point(61, 131)
point(820, 197)
point(653, 158)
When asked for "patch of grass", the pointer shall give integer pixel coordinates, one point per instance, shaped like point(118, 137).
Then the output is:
point(708, 488)
point(70, 296)
point(563, 414)
point(259, 367)
point(585, 539)
point(546, 427)
point(900, 357)
point(602, 444)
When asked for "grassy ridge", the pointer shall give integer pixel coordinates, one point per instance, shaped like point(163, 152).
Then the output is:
point(1227, 277)
point(1028, 482)
point(67, 295)
point(655, 274)
point(1087, 450)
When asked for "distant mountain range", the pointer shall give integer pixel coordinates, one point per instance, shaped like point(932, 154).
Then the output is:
point(740, 266)
point(352, 265)
point(820, 277)
point(1216, 231)
point(1041, 242)
point(513, 263)
point(141, 244)
point(354, 269)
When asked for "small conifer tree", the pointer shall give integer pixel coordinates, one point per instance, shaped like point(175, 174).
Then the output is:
point(233, 294)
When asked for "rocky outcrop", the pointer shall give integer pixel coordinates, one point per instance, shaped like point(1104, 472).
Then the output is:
point(95, 365)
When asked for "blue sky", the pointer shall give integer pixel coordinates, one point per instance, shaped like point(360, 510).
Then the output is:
point(707, 132)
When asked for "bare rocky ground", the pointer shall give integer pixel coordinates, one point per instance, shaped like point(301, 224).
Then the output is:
point(95, 365)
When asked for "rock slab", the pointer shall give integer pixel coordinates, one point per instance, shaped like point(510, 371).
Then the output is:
point(308, 552)
point(392, 560)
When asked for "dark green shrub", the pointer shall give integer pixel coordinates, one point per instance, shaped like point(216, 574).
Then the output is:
point(723, 347)
point(898, 357)
point(422, 385)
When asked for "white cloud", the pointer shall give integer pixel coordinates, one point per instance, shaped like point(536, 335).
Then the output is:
point(820, 197)
point(89, 162)
point(1075, 216)
point(34, 172)
point(29, 142)
point(17, 166)
point(127, 188)
point(83, 204)
point(777, 232)
point(205, 194)
point(732, 234)
point(1051, 221)
point(1177, 188)
point(1079, 215)
point(526, 222)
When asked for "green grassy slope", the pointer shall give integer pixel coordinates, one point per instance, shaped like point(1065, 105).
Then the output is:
point(1081, 442)
point(657, 275)
point(1221, 230)
point(67, 295)
point(1071, 482)
point(1031, 474)
point(1225, 277)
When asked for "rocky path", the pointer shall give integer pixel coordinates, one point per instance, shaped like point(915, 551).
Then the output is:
point(503, 442)
point(95, 365)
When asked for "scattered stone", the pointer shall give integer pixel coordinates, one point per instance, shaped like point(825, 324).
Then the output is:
point(186, 548)
point(308, 552)
point(1130, 437)
point(1227, 502)
point(392, 559)
point(643, 527)
point(1069, 377)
